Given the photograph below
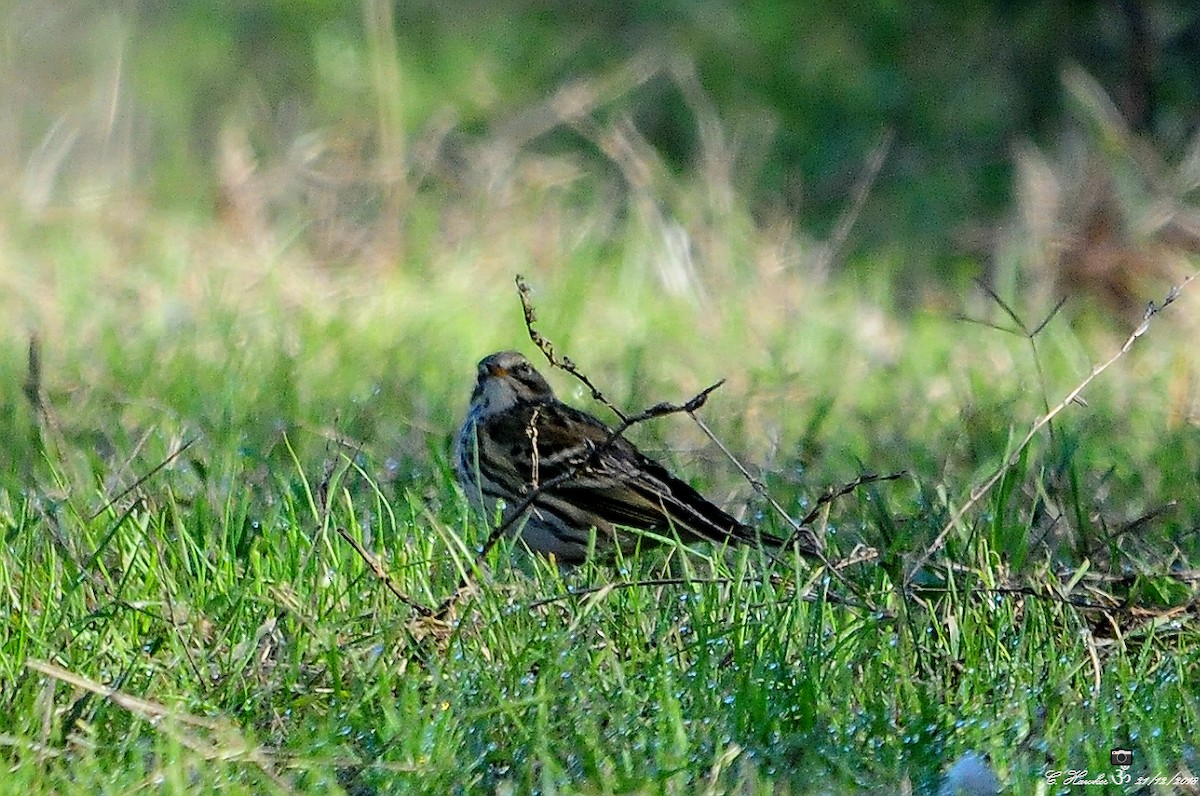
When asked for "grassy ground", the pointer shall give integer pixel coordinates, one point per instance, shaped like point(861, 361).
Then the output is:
point(203, 626)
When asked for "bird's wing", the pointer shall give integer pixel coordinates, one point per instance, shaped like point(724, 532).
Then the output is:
point(609, 478)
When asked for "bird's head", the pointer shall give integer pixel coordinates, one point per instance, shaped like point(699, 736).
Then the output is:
point(505, 379)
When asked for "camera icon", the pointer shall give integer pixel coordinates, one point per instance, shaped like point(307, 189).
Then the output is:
point(1121, 758)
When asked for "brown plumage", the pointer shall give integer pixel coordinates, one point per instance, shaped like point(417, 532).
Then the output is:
point(518, 435)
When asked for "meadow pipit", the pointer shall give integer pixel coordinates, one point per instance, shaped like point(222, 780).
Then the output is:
point(519, 439)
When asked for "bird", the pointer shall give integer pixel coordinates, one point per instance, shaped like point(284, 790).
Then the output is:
point(519, 440)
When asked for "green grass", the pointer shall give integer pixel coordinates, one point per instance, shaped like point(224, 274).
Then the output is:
point(271, 657)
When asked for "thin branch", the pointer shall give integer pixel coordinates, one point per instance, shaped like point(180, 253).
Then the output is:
point(143, 707)
point(1021, 329)
point(982, 489)
point(547, 348)
point(383, 576)
point(833, 494)
point(811, 546)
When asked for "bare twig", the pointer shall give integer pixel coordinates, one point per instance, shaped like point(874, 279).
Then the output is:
point(1049, 317)
point(979, 491)
point(813, 546)
point(145, 708)
point(547, 348)
point(799, 529)
point(833, 494)
point(383, 576)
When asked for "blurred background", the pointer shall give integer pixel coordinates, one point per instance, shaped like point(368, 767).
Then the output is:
point(915, 137)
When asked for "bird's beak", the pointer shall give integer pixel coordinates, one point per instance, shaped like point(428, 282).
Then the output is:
point(496, 371)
